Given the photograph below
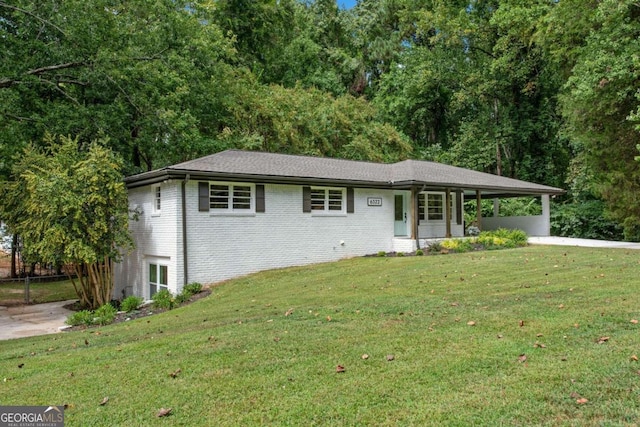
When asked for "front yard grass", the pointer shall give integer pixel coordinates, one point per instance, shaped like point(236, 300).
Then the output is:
point(529, 336)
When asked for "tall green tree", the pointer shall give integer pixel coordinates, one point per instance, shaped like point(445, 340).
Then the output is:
point(148, 73)
point(69, 204)
point(600, 99)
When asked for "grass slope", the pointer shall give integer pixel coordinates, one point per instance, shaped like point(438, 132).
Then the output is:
point(242, 361)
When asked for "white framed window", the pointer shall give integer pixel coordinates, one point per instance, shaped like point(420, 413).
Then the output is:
point(157, 278)
point(328, 200)
point(227, 197)
point(431, 206)
point(157, 199)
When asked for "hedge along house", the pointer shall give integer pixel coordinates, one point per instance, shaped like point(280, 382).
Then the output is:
point(238, 212)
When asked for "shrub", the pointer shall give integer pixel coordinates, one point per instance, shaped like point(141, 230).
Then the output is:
point(182, 297)
point(193, 288)
point(435, 247)
point(83, 317)
point(130, 303)
point(419, 252)
point(105, 314)
point(382, 253)
point(163, 299)
point(457, 245)
point(473, 230)
point(400, 254)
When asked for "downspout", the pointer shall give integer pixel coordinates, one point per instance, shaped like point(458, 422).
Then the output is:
point(185, 263)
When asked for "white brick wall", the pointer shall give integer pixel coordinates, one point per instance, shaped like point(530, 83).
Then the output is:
point(226, 246)
point(221, 247)
point(157, 239)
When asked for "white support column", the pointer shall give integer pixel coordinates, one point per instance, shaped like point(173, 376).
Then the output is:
point(546, 214)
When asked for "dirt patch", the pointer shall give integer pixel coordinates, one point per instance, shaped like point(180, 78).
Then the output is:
point(144, 311)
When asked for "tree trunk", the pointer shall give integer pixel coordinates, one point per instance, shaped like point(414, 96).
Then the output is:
point(14, 255)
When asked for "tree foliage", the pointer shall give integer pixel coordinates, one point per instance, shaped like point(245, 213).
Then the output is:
point(69, 204)
point(535, 90)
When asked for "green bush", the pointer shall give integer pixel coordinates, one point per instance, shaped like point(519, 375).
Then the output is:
point(400, 254)
point(382, 253)
point(105, 314)
point(163, 299)
point(435, 247)
point(83, 317)
point(419, 252)
point(182, 297)
point(130, 303)
point(193, 288)
point(587, 219)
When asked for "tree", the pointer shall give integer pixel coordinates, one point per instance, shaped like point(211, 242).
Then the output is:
point(600, 101)
point(150, 74)
point(69, 204)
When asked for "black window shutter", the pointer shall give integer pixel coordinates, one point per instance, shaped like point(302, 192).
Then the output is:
point(306, 199)
point(350, 201)
point(260, 205)
point(459, 208)
point(203, 196)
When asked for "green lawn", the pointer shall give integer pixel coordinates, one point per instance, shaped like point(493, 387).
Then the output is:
point(243, 362)
point(14, 292)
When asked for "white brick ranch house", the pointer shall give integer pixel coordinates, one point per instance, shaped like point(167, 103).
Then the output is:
point(238, 212)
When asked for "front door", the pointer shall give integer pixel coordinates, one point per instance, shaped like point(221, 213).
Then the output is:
point(401, 217)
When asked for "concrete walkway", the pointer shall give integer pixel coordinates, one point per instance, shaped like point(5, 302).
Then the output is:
point(587, 243)
point(30, 320)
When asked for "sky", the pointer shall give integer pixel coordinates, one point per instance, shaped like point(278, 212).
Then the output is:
point(346, 4)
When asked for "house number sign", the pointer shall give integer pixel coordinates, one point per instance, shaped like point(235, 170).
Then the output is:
point(374, 201)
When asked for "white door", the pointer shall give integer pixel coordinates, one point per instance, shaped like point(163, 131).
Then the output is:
point(401, 216)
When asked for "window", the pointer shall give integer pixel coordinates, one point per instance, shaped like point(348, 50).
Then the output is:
point(157, 200)
point(231, 197)
point(431, 206)
point(328, 200)
point(157, 278)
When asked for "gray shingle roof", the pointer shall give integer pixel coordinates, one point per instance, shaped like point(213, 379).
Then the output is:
point(272, 167)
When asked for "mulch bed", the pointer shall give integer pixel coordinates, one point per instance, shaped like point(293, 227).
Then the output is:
point(144, 311)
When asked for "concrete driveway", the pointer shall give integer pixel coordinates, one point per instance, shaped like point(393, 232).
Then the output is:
point(29, 320)
point(587, 243)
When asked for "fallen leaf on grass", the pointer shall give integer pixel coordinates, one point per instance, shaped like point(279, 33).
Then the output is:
point(634, 321)
point(175, 373)
point(539, 345)
point(104, 401)
point(288, 312)
point(603, 340)
point(364, 356)
point(521, 323)
point(522, 358)
point(634, 358)
point(163, 412)
point(390, 357)
point(340, 369)
point(471, 323)
point(500, 336)
point(582, 401)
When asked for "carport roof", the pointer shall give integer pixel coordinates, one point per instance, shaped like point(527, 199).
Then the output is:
point(252, 166)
